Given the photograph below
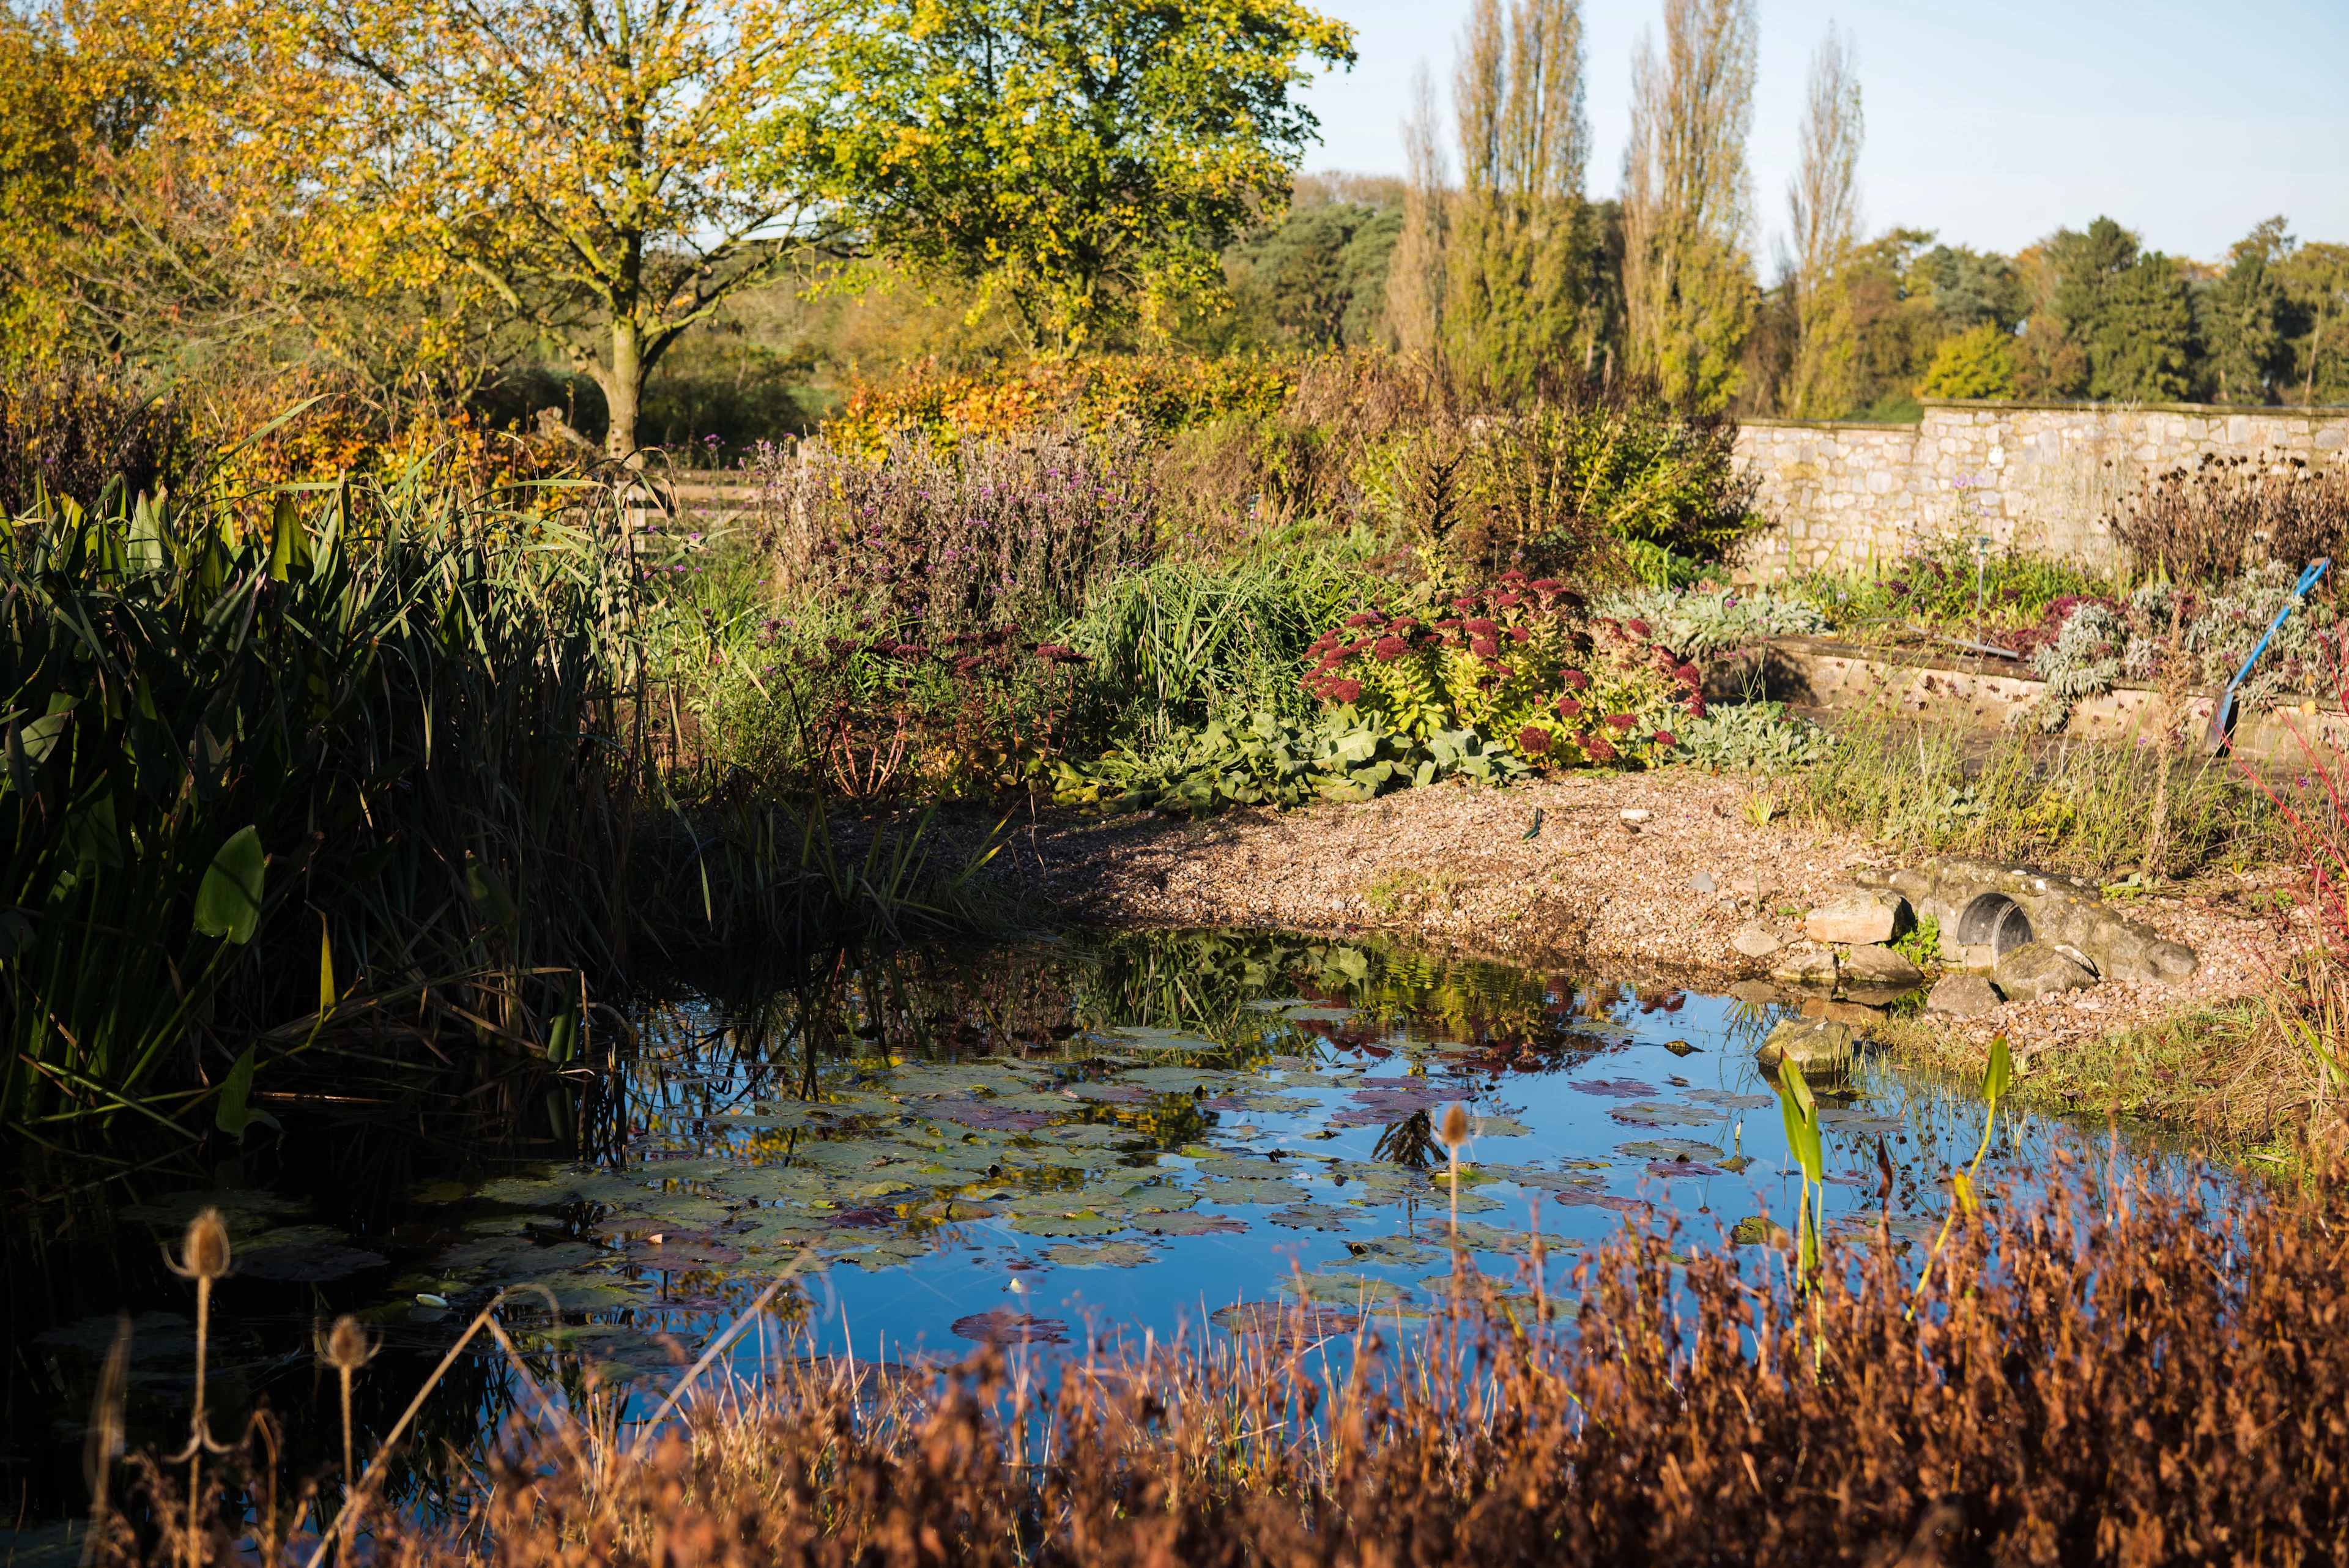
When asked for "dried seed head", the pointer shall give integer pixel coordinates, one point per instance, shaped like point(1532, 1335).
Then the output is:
point(1456, 1126)
point(204, 1253)
point(347, 1347)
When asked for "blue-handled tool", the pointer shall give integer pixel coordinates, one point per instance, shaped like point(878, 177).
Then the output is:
point(2217, 738)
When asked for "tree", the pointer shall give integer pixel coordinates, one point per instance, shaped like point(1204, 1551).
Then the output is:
point(1512, 274)
point(1087, 161)
point(1415, 302)
point(2240, 327)
point(1823, 209)
point(1316, 277)
point(2128, 311)
point(606, 172)
point(1979, 362)
point(2315, 279)
point(1688, 283)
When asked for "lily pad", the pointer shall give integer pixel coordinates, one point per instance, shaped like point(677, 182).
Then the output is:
point(1664, 1115)
point(1315, 1216)
point(1678, 1169)
point(309, 1263)
point(1397, 1249)
point(1285, 1323)
point(1083, 1224)
point(1003, 1327)
point(1344, 1289)
point(1613, 1088)
point(1668, 1148)
point(1102, 1255)
point(1318, 1015)
point(1190, 1224)
point(1732, 1101)
point(1244, 1189)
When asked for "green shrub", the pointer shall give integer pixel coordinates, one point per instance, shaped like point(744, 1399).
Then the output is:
point(1518, 664)
point(1750, 737)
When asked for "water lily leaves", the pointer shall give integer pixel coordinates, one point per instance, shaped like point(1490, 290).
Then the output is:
point(681, 1255)
point(309, 1262)
point(1759, 1230)
point(1102, 1255)
point(1287, 1324)
point(1314, 1014)
point(1667, 1147)
point(1090, 1134)
point(1190, 1224)
point(228, 901)
point(1859, 1123)
point(1597, 1200)
point(1614, 1089)
point(1501, 1127)
point(1343, 1288)
point(578, 1294)
point(1732, 1101)
point(528, 1191)
point(1400, 1251)
point(1003, 1327)
point(1078, 1224)
point(1677, 1168)
point(1244, 1189)
point(1315, 1216)
point(1535, 1177)
point(233, 1114)
point(244, 1207)
point(154, 1335)
point(991, 1118)
point(1664, 1116)
point(1136, 1037)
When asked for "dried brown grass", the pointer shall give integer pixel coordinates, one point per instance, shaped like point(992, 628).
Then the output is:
point(2112, 1374)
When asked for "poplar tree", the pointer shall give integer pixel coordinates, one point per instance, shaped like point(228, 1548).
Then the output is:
point(1512, 277)
point(1823, 211)
point(2241, 333)
point(1415, 287)
point(1688, 281)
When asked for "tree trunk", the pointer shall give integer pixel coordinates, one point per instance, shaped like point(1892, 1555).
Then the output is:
point(623, 387)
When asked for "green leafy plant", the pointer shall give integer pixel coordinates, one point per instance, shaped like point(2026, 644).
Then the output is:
point(1921, 943)
point(1750, 737)
point(1801, 1117)
point(1518, 664)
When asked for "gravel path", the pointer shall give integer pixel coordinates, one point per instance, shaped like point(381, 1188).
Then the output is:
point(1602, 887)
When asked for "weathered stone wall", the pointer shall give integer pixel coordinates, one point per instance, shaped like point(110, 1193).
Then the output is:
point(2042, 475)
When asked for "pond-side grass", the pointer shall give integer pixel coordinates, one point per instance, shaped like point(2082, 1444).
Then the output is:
point(2097, 1373)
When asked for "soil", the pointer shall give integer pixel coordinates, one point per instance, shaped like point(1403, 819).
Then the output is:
point(1610, 883)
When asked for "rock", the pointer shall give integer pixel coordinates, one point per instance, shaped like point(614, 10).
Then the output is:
point(1865, 916)
point(1880, 966)
point(1808, 1043)
point(1756, 941)
point(2035, 969)
point(1754, 992)
point(1817, 968)
point(1702, 882)
point(1962, 996)
point(1857, 1014)
point(1878, 996)
point(1635, 815)
point(1976, 900)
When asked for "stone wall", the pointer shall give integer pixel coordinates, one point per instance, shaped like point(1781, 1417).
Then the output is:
point(2040, 476)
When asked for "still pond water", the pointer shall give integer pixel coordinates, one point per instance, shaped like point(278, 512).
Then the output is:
point(1021, 1144)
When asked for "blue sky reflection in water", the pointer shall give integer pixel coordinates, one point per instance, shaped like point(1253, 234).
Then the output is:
point(1244, 1118)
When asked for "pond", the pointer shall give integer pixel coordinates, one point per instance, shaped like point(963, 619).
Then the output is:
point(1022, 1144)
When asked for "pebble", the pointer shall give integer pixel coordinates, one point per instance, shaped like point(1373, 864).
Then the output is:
point(1702, 882)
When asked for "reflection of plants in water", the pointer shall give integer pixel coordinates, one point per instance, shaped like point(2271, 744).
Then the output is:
point(1411, 1141)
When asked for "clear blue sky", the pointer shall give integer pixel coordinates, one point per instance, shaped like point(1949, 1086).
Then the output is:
point(1991, 121)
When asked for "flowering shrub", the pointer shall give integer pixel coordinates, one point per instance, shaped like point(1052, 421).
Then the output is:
point(1519, 664)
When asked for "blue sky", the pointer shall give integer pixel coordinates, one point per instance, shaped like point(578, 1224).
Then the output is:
point(1991, 121)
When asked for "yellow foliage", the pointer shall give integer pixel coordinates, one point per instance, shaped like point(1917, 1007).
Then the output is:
point(1160, 393)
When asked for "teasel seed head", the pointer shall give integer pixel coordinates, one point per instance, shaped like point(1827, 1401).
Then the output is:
point(1456, 1126)
point(205, 1251)
point(346, 1347)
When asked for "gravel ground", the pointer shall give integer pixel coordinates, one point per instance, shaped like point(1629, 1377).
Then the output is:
point(1601, 886)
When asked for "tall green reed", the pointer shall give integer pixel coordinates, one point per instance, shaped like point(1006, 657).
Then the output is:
point(262, 778)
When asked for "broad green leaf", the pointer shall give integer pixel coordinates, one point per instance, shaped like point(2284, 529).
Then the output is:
point(90, 833)
point(228, 903)
point(2000, 1073)
point(495, 905)
point(234, 1114)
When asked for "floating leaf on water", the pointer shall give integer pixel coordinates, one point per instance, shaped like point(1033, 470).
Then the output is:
point(1245, 1190)
point(1681, 1048)
point(669, 1256)
point(1597, 1200)
point(528, 1191)
point(437, 1189)
point(1732, 1101)
point(1344, 1288)
point(1859, 1123)
point(1003, 1327)
point(1275, 1004)
point(1535, 1177)
point(1136, 1037)
point(1313, 1014)
point(154, 1335)
point(1081, 1224)
point(574, 1295)
point(1614, 1089)
point(1667, 1147)
point(1679, 1169)
point(1315, 1216)
point(1289, 1324)
point(1090, 1134)
point(990, 1117)
point(1102, 1255)
point(1114, 1094)
point(1190, 1224)
point(1660, 1115)
point(1759, 1230)
point(1400, 1251)
point(309, 1262)
point(244, 1207)
point(1501, 1127)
